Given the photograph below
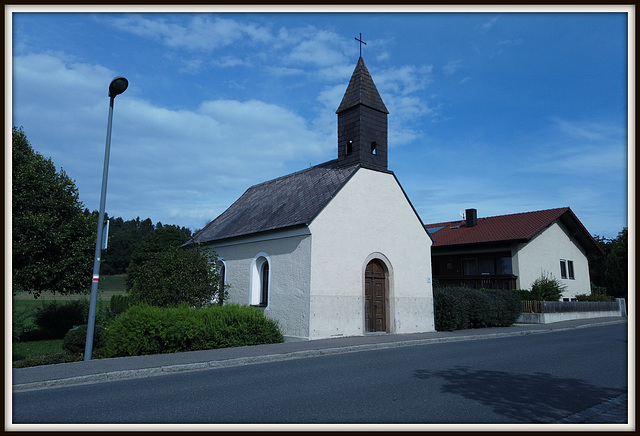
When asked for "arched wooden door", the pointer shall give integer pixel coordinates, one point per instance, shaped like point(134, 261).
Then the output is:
point(375, 311)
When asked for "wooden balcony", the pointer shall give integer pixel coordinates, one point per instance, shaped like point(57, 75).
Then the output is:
point(505, 281)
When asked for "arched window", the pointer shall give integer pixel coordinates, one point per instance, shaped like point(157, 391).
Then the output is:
point(264, 294)
point(219, 296)
point(260, 280)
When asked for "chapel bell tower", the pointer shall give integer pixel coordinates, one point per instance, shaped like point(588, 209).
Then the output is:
point(362, 123)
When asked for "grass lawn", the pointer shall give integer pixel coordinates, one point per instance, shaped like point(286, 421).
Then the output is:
point(22, 350)
point(25, 306)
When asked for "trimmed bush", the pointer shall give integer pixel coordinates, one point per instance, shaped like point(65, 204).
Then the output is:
point(145, 329)
point(459, 308)
point(119, 303)
point(174, 276)
point(76, 339)
point(47, 359)
point(594, 297)
point(54, 320)
point(451, 309)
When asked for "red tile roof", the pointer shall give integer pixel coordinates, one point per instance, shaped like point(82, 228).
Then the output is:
point(518, 227)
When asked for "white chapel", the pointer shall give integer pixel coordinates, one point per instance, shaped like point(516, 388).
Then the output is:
point(336, 249)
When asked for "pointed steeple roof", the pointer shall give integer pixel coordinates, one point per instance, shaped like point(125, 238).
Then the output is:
point(362, 90)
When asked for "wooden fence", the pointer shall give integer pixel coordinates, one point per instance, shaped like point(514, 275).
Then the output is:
point(569, 306)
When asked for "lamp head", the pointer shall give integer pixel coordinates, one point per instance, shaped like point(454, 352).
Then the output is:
point(118, 86)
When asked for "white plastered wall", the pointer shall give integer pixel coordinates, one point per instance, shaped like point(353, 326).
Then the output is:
point(542, 255)
point(289, 274)
point(369, 218)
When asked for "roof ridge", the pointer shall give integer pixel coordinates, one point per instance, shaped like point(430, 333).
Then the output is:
point(322, 165)
point(444, 223)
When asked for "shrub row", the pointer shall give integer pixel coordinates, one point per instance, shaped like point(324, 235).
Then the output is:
point(459, 308)
point(594, 297)
point(145, 329)
point(54, 320)
point(119, 303)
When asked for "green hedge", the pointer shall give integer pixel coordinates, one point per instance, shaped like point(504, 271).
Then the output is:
point(145, 329)
point(594, 297)
point(76, 338)
point(54, 320)
point(119, 303)
point(459, 308)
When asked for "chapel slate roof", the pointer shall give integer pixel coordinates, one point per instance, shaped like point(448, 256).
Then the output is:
point(518, 227)
point(362, 90)
point(288, 201)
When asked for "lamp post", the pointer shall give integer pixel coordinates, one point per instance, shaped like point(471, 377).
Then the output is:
point(117, 86)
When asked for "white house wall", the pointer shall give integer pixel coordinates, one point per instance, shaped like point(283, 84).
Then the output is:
point(542, 255)
point(289, 275)
point(369, 218)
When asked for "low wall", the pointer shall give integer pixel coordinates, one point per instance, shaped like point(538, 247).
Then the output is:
point(546, 318)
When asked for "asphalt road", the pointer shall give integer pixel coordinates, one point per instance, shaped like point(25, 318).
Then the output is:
point(528, 379)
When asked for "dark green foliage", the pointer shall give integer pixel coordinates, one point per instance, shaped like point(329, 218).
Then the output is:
point(119, 303)
point(451, 308)
point(54, 320)
point(47, 359)
point(175, 276)
point(594, 297)
point(547, 288)
point(76, 339)
point(20, 323)
point(523, 294)
point(616, 266)
point(458, 308)
point(156, 241)
point(53, 240)
point(610, 270)
point(598, 290)
point(145, 329)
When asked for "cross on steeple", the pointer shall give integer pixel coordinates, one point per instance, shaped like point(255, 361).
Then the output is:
point(361, 42)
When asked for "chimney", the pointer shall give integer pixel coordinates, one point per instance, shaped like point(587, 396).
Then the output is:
point(472, 217)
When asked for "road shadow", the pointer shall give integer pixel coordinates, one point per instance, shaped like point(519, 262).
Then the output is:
point(526, 398)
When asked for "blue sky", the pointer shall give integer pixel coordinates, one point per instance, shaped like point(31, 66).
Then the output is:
point(502, 112)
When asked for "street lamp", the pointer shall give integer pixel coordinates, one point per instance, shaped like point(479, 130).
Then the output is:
point(117, 86)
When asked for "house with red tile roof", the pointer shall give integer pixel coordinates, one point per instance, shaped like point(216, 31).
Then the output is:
point(511, 251)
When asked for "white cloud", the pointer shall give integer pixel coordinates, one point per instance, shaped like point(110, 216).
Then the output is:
point(321, 48)
point(487, 25)
point(452, 66)
point(199, 33)
point(162, 161)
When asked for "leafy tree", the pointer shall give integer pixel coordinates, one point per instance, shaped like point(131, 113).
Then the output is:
point(155, 241)
point(53, 241)
point(616, 267)
point(123, 237)
point(609, 271)
point(176, 275)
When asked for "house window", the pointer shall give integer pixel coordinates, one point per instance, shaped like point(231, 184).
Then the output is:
point(349, 147)
point(470, 267)
point(503, 265)
point(570, 267)
point(374, 148)
point(260, 280)
point(486, 266)
point(563, 268)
